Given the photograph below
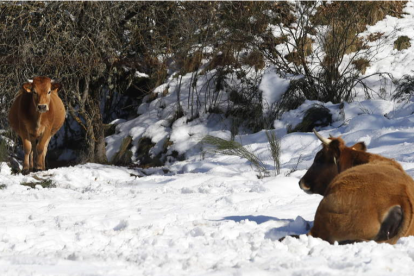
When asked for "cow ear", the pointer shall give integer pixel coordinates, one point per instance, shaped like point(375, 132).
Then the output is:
point(28, 87)
point(56, 86)
point(359, 146)
point(334, 147)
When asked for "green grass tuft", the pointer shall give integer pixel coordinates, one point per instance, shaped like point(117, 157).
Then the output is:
point(236, 149)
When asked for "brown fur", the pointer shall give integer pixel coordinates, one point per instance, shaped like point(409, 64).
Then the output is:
point(358, 200)
point(37, 113)
point(359, 193)
point(324, 169)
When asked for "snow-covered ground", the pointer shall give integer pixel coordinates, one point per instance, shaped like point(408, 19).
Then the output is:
point(208, 215)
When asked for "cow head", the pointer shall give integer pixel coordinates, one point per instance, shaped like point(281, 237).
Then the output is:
point(333, 158)
point(41, 89)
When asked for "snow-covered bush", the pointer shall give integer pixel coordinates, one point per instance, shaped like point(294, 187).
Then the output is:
point(214, 57)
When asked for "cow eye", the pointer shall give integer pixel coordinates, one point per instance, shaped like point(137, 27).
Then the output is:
point(49, 92)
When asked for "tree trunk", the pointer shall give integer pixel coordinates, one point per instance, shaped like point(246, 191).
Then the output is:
point(89, 117)
point(96, 135)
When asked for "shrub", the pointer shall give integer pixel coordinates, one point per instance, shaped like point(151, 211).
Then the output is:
point(404, 86)
point(374, 36)
point(403, 42)
point(336, 28)
point(361, 64)
point(254, 59)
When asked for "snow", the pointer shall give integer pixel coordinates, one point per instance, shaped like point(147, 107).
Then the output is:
point(210, 214)
point(389, 59)
point(141, 75)
point(206, 216)
point(273, 87)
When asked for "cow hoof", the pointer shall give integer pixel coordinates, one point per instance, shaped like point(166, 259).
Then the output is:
point(25, 172)
point(37, 170)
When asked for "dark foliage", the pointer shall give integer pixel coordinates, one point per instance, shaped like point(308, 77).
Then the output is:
point(404, 87)
point(316, 116)
point(96, 50)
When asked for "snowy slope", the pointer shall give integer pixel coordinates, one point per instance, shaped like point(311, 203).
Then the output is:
point(204, 216)
point(209, 216)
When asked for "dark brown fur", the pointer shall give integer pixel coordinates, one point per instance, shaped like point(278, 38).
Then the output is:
point(37, 113)
point(324, 169)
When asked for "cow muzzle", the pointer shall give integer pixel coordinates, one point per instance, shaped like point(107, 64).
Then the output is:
point(42, 108)
point(304, 187)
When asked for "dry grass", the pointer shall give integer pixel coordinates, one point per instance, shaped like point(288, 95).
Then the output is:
point(403, 42)
point(254, 59)
point(361, 65)
point(374, 36)
point(275, 149)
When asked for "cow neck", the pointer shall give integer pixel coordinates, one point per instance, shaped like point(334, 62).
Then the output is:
point(362, 157)
point(37, 116)
point(350, 158)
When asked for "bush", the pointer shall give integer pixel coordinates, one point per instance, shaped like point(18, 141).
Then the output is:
point(404, 87)
point(374, 36)
point(361, 65)
point(254, 59)
point(335, 27)
point(403, 42)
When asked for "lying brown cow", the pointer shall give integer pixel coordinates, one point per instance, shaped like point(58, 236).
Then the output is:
point(366, 196)
point(37, 113)
point(334, 158)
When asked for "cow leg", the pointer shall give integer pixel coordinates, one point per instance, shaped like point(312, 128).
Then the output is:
point(28, 156)
point(391, 224)
point(33, 155)
point(31, 160)
point(41, 149)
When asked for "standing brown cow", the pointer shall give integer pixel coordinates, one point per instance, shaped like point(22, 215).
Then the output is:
point(36, 115)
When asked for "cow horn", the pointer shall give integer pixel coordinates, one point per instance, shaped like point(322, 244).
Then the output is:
point(324, 140)
point(30, 81)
